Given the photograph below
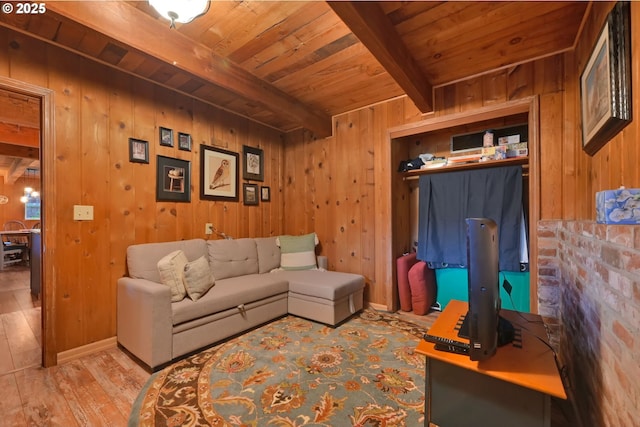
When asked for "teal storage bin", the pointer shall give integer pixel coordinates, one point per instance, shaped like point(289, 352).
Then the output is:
point(452, 284)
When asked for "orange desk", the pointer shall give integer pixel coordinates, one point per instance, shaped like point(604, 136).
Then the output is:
point(511, 388)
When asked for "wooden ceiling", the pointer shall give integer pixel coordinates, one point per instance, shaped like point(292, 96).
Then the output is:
point(19, 135)
point(292, 65)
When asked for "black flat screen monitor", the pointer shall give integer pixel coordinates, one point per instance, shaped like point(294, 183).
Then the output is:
point(482, 325)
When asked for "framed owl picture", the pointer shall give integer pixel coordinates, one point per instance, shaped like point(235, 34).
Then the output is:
point(218, 174)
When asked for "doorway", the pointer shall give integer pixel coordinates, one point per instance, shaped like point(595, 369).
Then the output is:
point(44, 99)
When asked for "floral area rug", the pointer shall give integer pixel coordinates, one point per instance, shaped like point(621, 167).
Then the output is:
point(295, 372)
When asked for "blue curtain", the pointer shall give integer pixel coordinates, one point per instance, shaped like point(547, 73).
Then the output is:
point(448, 198)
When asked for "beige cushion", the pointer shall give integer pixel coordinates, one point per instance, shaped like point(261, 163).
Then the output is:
point(233, 258)
point(268, 254)
point(197, 278)
point(142, 259)
point(298, 252)
point(171, 269)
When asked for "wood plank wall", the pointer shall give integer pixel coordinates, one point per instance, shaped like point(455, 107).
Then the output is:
point(358, 159)
point(616, 164)
point(357, 173)
point(14, 209)
point(97, 110)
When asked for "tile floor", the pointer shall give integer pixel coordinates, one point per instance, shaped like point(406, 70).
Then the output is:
point(20, 321)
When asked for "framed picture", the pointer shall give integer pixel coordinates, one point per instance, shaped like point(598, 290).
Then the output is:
point(253, 159)
point(218, 174)
point(173, 180)
point(166, 137)
point(184, 141)
point(250, 194)
point(265, 194)
point(138, 151)
point(605, 83)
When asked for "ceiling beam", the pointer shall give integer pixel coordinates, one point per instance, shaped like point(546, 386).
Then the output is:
point(19, 168)
point(131, 27)
point(369, 23)
point(13, 150)
point(19, 135)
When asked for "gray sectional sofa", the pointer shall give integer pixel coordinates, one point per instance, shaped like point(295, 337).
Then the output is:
point(250, 289)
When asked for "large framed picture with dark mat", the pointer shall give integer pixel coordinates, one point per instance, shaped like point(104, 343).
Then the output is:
point(605, 83)
point(173, 180)
point(219, 176)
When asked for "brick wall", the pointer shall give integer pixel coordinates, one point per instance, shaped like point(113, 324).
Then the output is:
point(589, 292)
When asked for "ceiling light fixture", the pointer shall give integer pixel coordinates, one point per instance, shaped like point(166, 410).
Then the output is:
point(182, 11)
point(30, 195)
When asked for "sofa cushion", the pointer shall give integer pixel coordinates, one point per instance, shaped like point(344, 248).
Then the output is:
point(268, 254)
point(229, 293)
point(298, 252)
point(197, 278)
point(171, 269)
point(403, 264)
point(142, 259)
point(329, 285)
point(232, 258)
point(422, 281)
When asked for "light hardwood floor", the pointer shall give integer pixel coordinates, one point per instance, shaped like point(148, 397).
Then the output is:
point(20, 331)
point(95, 390)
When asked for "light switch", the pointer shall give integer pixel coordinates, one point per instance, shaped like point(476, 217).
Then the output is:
point(82, 213)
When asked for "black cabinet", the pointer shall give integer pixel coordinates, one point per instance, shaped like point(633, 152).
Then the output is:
point(35, 260)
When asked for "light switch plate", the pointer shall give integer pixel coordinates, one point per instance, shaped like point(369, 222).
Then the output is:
point(82, 213)
point(208, 228)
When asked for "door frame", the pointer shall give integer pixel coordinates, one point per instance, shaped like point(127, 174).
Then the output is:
point(47, 215)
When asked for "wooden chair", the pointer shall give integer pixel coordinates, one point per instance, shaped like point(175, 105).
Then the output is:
point(15, 249)
point(14, 225)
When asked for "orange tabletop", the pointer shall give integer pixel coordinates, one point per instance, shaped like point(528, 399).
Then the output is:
point(531, 364)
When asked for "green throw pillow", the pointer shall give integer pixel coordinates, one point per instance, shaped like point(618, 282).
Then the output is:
point(298, 252)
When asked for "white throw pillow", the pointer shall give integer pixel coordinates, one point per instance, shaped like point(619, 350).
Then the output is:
point(197, 278)
point(171, 269)
point(298, 252)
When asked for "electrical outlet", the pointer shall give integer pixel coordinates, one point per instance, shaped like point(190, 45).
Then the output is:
point(208, 228)
point(82, 213)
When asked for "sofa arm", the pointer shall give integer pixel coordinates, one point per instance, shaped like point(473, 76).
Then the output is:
point(144, 320)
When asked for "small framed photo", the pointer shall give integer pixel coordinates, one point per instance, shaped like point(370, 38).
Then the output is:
point(253, 159)
point(218, 174)
point(184, 141)
point(250, 194)
point(265, 193)
point(166, 137)
point(138, 151)
point(173, 180)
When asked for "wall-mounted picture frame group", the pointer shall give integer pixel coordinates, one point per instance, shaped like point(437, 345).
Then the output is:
point(173, 180)
point(219, 176)
point(250, 194)
point(605, 83)
point(138, 151)
point(166, 137)
point(184, 141)
point(253, 160)
point(265, 193)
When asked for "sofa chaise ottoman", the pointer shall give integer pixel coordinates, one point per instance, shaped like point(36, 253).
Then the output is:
point(324, 296)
